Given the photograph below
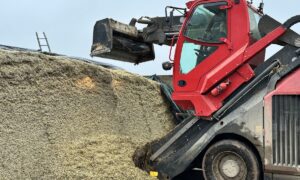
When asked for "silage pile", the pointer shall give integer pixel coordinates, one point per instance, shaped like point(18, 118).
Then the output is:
point(65, 119)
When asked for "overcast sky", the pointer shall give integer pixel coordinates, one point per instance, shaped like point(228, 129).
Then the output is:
point(69, 23)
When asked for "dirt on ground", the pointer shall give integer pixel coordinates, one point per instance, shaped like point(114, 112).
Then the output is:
point(65, 119)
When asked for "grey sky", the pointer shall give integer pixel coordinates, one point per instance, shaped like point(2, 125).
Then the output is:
point(69, 23)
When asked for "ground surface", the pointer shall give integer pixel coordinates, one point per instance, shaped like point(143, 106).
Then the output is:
point(65, 119)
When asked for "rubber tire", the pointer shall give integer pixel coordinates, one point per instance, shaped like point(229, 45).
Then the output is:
point(239, 148)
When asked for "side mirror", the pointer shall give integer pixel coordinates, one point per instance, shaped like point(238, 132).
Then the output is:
point(167, 66)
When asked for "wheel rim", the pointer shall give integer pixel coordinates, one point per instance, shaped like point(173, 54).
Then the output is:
point(229, 165)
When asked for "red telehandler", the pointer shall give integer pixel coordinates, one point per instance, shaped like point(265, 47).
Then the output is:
point(238, 112)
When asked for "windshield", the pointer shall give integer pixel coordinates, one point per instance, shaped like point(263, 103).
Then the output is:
point(208, 23)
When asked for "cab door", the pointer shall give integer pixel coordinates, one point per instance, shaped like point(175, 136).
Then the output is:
point(203, 43)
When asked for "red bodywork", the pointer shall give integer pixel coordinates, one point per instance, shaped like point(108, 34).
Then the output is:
point(289, 85)
point(231, 63)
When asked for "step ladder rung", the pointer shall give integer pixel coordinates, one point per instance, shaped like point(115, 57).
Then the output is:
point(44, 38)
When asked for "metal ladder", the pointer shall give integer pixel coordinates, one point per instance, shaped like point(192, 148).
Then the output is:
point(44, 38)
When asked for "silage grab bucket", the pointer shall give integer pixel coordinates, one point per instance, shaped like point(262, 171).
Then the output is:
point(118, 41)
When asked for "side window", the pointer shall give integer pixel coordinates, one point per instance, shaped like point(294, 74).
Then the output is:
point(254, 20)
point(208, 23)
point(192, 55)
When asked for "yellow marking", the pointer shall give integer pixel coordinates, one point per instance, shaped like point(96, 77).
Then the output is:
point(153, 173)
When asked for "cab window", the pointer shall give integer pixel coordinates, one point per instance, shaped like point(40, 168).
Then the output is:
point(192, 55)
point(208, 23)
point(254, 20)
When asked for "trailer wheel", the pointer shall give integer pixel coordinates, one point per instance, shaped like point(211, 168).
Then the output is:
point(230, 160)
